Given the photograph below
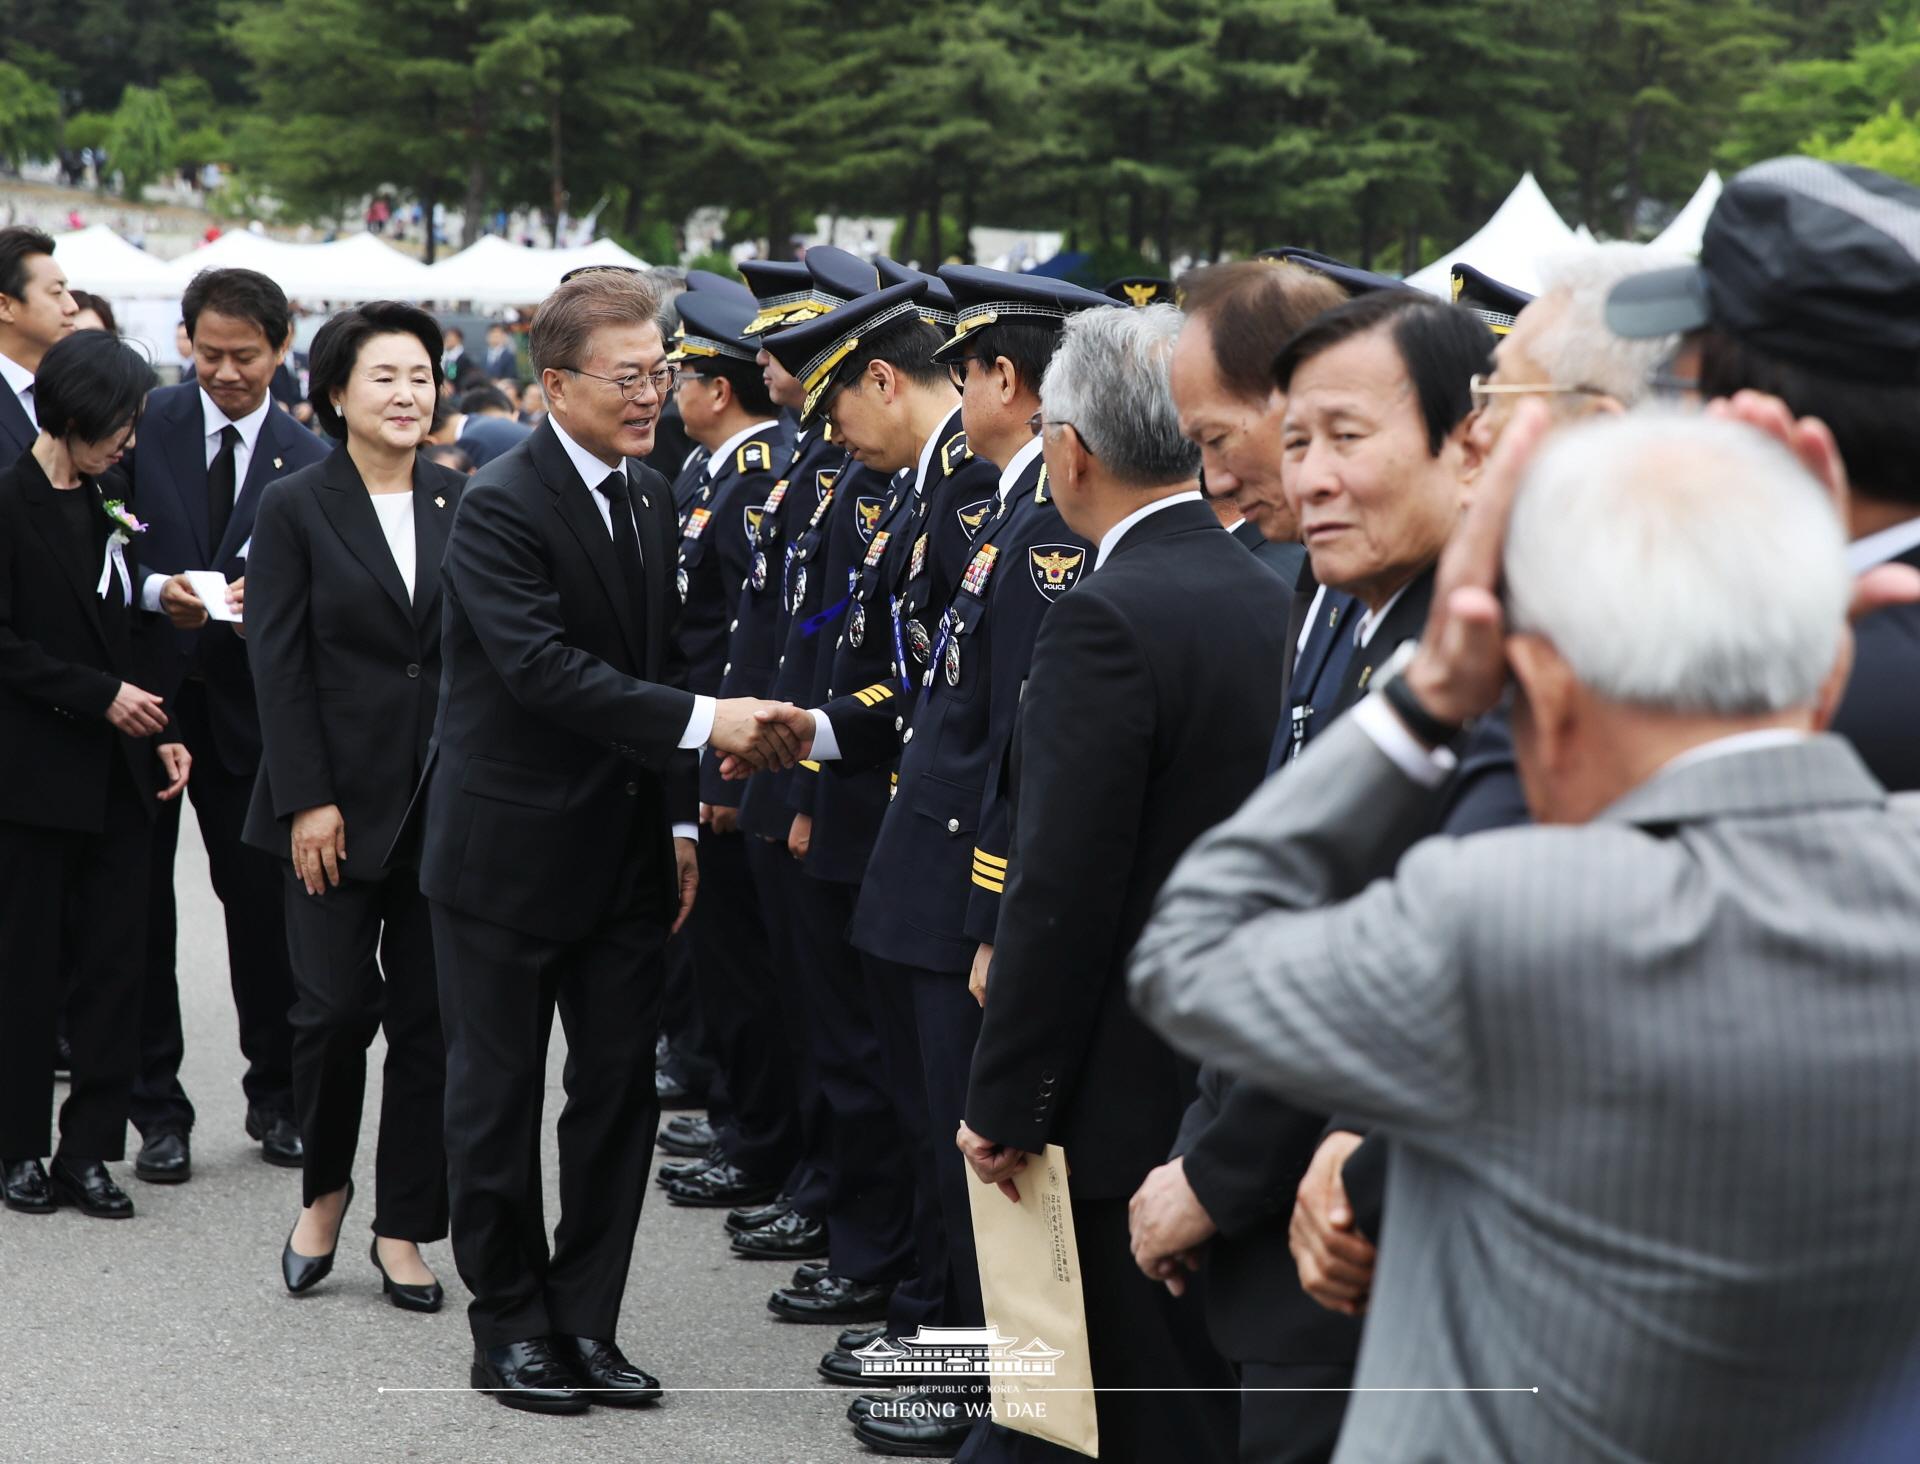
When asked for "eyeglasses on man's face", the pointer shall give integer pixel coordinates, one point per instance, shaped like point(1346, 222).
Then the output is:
point(1480, 388)
point(661, 379)
point(1038, 422)
point(957, 372)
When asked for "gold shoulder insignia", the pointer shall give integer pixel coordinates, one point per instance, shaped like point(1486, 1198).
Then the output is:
point(753, 457)
point(955, 452)
point(1040, 489)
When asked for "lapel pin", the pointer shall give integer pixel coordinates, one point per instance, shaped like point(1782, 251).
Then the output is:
point(276, 464)
point(645, 502)
point(439, 502)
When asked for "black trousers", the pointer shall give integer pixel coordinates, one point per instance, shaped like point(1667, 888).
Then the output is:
point(925, 1297)
point(778, 877)
point(740, 1009)
point(1140, 1337)
point(72, 908)
point(1291, 1428)
point(870, 1205)
point(362, 956)
point(248, 885)
point(499, 989)
point(948, 1021)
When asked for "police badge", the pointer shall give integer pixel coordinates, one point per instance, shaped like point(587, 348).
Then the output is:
point(799, 589)
point(680, 582)
point(1055, 568)
point(919, 642)
point(757, 575)
point(857, 623)
point(953, 658)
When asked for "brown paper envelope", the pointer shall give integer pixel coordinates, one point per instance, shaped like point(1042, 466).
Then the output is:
point(1042, 1380)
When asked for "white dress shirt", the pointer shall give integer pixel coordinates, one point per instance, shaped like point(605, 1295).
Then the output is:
point(213, 422)
point(1862, 554)
point(19, 381)
point(593, 472)
point(395, 512)
point(1119, 531)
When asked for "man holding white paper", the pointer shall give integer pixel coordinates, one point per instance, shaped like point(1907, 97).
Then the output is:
point(1145, 720)
point(208, 447)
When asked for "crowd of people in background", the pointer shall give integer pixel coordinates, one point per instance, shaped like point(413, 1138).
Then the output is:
point(1403, 792)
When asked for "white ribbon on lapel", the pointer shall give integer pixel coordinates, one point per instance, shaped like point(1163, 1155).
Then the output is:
point(115, 558)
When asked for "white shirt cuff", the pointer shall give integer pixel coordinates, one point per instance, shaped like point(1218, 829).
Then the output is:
point(150, 593)
point(826, 747)
point(700, 724)
point(687, 831)
point(1429, 767)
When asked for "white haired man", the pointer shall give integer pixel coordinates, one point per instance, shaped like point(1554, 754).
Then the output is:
point(1141, 725)
point(1652, 1068)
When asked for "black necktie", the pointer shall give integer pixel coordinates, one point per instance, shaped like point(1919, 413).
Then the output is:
point(626, 550)
point(220, 488)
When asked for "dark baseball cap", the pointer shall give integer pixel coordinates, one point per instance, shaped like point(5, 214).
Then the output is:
point(1817, 263)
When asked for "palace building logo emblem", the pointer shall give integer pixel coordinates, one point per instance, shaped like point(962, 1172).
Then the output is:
point(957, 1352)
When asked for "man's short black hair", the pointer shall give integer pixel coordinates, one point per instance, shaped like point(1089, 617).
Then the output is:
point(907, 345)
point(245, 294)
point(91, 385)
point(1876, 424)
point(1442, 347)
point(18, 244)
point(454, 333)
point(337, 346)
point(449, 456)
point(484, 399)
point(749, 383)
point(1025, 342)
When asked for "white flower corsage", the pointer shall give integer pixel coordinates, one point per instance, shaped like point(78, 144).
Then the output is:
point(125, 526)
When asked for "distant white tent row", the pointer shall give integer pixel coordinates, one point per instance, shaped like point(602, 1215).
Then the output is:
point(357, 267)
point(1525, 233)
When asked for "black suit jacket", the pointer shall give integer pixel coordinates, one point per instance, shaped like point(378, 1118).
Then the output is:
point(169, 491)
point(1880, 713)
point(1289, 561)
point(555, 774)
point(16, 427)
point(63, 654)
point(1140, 728)
point(345, 666)
point(503, 364)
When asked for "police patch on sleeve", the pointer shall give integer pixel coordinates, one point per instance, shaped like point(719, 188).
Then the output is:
point(754, 513)
point(1055, 568)
point(973, 515)
point(823, 482)
point(869, 519)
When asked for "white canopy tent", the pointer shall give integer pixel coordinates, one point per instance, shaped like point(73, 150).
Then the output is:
point(1683, 235)
point(1524, 231)
point(97, 259)
point(494, 272)
point(358, 267)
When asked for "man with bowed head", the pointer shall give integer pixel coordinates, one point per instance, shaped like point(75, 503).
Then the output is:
point(559, 843)
point(1693, 977)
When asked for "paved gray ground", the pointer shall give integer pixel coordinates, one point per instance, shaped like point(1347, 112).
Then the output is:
point(170, 1337)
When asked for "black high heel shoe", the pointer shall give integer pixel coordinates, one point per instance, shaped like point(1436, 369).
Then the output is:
point(302, 1273)
point(408, 1298)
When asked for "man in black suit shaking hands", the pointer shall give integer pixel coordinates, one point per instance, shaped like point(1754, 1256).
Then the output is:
point(559, 823)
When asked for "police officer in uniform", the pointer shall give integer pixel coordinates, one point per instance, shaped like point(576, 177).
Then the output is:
point(913, 910)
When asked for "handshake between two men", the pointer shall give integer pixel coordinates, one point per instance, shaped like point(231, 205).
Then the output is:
point(754, 736)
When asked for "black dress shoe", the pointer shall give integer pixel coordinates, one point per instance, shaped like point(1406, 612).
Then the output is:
point(279, 1138)
point(673, 1093)
point(85, 1183)
point(854, 1338)
point(303, 1273)
point(753, 1217)
point(688, 1144)
point(833, 1299)
point(793, 1237)
point(24, 1182)
point(602, 1368)
point(844, 1368)
point(694, 1127)
point(528, 1375)
point(62, 1056)
point(425, 1298)
point(165, 1157)
point(668, 1173)
point(718, 1186)
point(809, 1275)
point(915, 1425)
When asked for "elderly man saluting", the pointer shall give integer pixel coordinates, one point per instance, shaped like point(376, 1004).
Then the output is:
point(1653, 1069)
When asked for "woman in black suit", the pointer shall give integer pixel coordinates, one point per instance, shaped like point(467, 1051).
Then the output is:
point(343, 634)
point(93, 756)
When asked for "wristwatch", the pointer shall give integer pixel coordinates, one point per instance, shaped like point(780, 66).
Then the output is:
point(1429, 730)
